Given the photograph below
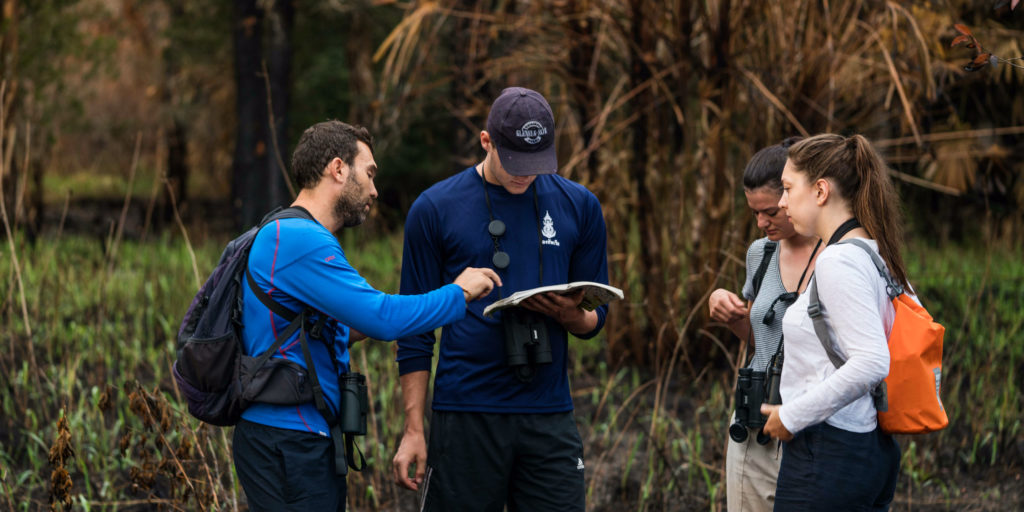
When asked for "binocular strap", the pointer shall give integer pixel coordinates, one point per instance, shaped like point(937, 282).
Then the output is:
point(345, 449)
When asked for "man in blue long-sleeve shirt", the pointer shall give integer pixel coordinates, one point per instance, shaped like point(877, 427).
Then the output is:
point(501, 435)
point(283, 454)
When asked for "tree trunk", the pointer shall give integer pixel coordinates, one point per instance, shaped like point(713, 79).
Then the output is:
point(247, 183)
point(9, 73)
point(643, 340)
point(713, 182)
point(468, 87)
point(279, 69)
point(175, 135)
point(258, 182)
point(583, 92)
point(362, 84)
point(176, 139)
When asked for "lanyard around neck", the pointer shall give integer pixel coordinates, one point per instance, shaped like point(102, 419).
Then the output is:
point(536, 213)
point(789, 297)
point(807, 266)
point(844, 228)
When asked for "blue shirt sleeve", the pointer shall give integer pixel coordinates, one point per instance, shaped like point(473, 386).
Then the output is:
point(422, 269)
point(323, 278)
point(590, 259)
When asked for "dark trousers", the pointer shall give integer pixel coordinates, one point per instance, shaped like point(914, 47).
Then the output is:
point(827, 468)
point(482, 462)
point(284, 469)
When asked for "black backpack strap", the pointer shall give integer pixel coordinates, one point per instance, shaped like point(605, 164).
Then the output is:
point(345, 446)
point(340, 459)
point(318, 395)
point(281, 338)
point(267, 301)
point(292, 212)
point(762, 268)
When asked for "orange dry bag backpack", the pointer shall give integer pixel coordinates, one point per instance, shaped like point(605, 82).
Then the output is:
point(908, 400)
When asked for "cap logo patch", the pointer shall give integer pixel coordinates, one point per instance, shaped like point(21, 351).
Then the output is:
point(531, 132)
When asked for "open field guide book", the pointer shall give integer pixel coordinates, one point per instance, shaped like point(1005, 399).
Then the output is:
point(594, 294)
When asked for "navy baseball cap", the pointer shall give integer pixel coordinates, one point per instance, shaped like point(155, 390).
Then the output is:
point(522, 128)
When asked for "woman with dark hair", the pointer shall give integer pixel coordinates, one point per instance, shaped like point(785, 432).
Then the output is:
point(777, 270)
point(835, 456)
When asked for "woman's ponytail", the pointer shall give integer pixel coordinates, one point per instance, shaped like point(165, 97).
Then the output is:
point(877, 207)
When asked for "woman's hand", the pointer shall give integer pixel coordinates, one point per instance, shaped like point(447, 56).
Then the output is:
point(726, 306)
point(774, 426)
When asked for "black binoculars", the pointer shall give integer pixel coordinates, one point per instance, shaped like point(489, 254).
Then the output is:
point(355, 403)
point(754, 388)
point(526, 341)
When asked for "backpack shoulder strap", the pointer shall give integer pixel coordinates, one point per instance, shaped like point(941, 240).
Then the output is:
point(892, 289)
point(814, 303)
point(820, 326)
point(267, 301)
point(879, 394)
point(762, 268)
point(293, 212)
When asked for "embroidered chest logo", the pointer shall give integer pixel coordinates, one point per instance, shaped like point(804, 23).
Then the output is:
point(548, 230)
point(531, 132)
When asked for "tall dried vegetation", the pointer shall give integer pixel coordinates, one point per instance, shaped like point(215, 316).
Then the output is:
point(659, 105)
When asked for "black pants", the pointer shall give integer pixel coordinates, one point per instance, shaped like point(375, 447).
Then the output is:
point(828, 468)
point(480, 462)
point(284, 469)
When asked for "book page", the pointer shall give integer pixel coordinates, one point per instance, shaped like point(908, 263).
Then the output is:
point(594, 295)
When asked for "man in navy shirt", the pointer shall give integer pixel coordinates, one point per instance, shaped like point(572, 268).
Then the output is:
point(501, 435)
point(284, 455)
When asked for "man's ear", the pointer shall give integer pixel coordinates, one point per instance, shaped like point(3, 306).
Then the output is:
point(485, 141)
point(338, 170)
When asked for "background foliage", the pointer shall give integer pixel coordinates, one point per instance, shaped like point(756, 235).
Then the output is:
point(120, 176)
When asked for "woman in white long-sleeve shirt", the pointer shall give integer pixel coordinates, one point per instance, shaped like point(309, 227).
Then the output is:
point(834, 456)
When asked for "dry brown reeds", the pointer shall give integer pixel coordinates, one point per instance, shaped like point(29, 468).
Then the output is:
point(660, 103)
point(60, 480)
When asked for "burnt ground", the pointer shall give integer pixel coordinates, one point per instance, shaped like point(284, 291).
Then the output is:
point(615, 485)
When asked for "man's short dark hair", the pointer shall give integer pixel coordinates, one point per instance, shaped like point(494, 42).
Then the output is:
point(320, 144)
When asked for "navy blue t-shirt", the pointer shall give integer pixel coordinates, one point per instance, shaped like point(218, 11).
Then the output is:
point(299, 262)
point(446, 231)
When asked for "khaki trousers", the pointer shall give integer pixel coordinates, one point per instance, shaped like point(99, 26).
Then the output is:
point(751, 471)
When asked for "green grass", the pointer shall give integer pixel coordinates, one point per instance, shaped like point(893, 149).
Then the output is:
point(99, 342)
point(109, 182)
